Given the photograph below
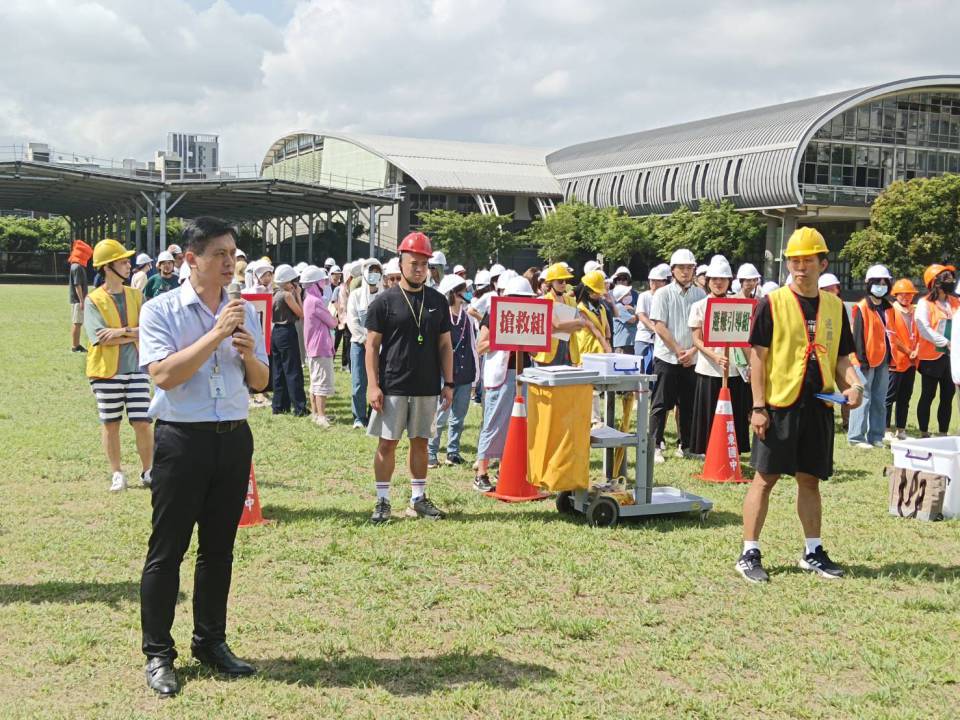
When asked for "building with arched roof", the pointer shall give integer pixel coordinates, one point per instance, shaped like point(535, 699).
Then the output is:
point(433, 174)
point(818, 161)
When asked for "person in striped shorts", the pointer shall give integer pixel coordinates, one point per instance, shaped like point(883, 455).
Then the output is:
point(111, 320)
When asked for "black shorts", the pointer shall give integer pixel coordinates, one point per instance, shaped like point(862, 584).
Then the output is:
point(799, 439)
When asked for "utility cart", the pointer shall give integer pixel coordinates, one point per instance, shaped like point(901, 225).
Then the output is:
point(604, 504)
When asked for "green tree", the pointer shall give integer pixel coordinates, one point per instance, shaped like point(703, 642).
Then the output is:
point(912, 224)
point(716, 228)
point(473, 239)
point(576, 228)
point(33, 234)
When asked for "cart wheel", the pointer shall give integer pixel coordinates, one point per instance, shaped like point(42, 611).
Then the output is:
point(603, 512)
point(565, 503)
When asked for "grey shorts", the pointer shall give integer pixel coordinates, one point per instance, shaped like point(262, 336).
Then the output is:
point(415, 414)
point(76, 313)
point(321, 376)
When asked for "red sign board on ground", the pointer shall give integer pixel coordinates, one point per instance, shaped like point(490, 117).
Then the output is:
point(521, 323)
point(727, 322)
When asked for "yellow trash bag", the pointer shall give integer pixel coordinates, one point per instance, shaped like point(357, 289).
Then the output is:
point(558, 436)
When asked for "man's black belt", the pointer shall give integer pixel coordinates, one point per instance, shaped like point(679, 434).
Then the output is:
point(221, 426)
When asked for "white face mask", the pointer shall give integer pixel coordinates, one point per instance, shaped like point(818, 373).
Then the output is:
point(374, 278)
point(878, 290)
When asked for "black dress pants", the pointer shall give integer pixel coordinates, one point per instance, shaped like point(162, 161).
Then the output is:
point(899, 392)
point(200, 478)
point(675, 387)
point(287, 370)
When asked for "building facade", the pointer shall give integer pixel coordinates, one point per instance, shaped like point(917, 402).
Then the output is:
point(820, 161)
point(196, 152)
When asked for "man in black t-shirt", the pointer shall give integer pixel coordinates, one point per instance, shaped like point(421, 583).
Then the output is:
point(409, 359)
point(801, 342)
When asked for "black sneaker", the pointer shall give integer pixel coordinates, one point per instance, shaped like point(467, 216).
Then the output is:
point(455, 459)
point(381, 513)
point(423, 507)
point(433, 464)
point(820, 563)
point(481, 483)
point(749, 566)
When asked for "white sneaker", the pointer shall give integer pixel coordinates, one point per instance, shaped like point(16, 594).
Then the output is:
point(119, 482)
point(680, 453)
point(658, 456)
point(862, 446)
point(357, 425)
point(322, 421)
point(888, 436)
point(146, 478)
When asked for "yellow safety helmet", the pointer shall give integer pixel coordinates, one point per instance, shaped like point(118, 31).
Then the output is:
point(805, 241)
point(107, 251)
point(558, 271)
point(595, 281)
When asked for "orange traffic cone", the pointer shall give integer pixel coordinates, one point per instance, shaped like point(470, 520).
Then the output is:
point(513, 485)
point(723, 455)
point(252, 515)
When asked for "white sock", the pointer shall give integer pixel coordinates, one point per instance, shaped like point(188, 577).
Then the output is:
point(811, 544)
point(417, 489)
point(751, 545)
point(383, 490)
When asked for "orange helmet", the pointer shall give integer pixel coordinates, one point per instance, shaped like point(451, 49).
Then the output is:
point(903, 286)
point(930, 274)
point(416, 242)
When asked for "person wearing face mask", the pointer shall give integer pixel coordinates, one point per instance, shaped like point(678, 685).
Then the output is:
point(453, 288)
point(357, 304)
point(561, 352)
point(263, 275)
point(935, 316)
point(872, 317)
point(904, 347)
point(286, 363)
point(318, 323)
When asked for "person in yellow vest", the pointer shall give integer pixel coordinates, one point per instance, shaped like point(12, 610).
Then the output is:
point(801, 342)
point(936, 312)
point(561, 352)
point(112, 320)
point(872, 321)
point(595, 334)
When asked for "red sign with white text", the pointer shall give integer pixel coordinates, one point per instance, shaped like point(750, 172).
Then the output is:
point(263, 304)
point(727, 322)
point(521, 323)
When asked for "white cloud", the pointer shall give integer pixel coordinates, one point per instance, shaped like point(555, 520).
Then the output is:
point(111, 77)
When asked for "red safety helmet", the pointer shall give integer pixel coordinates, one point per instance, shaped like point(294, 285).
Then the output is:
point(416, 242)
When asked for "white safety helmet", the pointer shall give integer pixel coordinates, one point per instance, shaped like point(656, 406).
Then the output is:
point(878, 272)
point(497, 270)
point(240, 253)
point(284, 274)
point(438, 259)
point(450, 283)
point(142, 259)
point(482, 278)
point(748, 271)
point(262, 267)
point(300, 267)
point(659, 272)
point(312, 274)
point(827, 280)
point(701, 270)
point(457, 269)
point(329, 262)
point(735, 286)
point(355, 268)
point(719, 267)
point(165, 256)
point(335, 270)
point(590, 265)
point(682, 257)
point(392, 267)
point(505, 277)
point(769, 286)
point(519, 286)
point(623, 270)
point(620, 292)
point(174, 249)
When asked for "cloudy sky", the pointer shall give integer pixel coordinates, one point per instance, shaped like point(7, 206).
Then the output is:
point(111, 77)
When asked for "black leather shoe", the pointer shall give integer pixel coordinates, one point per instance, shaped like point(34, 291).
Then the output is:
point(220, 658)
point(161, 677)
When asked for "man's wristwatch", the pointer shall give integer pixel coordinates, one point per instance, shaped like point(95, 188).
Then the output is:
point(449, 385)
point(759, 409)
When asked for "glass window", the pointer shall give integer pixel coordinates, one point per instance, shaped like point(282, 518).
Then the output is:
point(823, 152)
point(836, 154)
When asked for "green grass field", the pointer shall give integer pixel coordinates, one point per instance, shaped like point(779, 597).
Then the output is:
point(502, 611)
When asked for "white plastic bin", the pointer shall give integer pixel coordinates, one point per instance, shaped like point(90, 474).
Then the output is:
point(612, 363)
point(940, 456)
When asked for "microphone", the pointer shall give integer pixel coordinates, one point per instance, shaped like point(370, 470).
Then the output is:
point(234, 293)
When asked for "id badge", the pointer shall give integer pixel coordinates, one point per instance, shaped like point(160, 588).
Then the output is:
point(218, 390)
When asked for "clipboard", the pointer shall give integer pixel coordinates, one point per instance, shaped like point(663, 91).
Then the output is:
point(563, 313)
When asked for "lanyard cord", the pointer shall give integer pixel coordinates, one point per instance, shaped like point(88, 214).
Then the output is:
point(416, 317)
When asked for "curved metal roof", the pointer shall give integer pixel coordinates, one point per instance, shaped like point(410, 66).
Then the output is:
point(454, 166)
point(750, 158)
